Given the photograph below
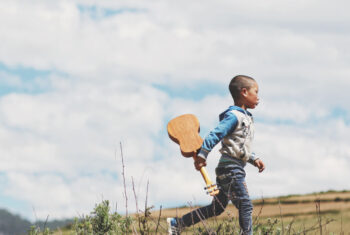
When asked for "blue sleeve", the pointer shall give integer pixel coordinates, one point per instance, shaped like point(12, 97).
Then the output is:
point(226, 126)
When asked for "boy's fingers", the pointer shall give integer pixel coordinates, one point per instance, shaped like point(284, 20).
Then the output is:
point(261, 166)
point(199, 164)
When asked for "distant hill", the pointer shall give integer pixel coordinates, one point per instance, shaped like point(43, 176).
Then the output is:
point(11, 224)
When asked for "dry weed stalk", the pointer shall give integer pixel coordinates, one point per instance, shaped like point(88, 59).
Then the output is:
point(279, 205)
point(124, 184)
point(318, 210)
point(143, 221)
point(158, 221)
point(201, 217)
point(256, 221)
point(136, 202)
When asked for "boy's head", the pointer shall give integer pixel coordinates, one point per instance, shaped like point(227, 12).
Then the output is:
point(244, 91)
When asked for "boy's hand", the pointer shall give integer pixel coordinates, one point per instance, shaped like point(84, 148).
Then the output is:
point(199, 162)
point(259, 164)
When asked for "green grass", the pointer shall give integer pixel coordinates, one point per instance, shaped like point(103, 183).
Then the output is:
point(327, 214)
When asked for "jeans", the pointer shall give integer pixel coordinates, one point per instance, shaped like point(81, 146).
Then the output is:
point(231, 182)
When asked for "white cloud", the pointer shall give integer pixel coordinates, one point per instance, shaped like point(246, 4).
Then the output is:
point(301, 159)
point(69, 133)
point(183, 43)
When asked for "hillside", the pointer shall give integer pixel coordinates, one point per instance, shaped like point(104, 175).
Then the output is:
point(12, 224)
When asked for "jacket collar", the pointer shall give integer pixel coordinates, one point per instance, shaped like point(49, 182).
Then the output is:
point(233, 107)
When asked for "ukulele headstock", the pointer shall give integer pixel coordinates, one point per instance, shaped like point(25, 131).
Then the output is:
point(212, 189)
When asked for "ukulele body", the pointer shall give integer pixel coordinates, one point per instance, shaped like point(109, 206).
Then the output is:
point(184, 130)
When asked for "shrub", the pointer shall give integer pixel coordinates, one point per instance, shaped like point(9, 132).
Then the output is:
point(102, 222)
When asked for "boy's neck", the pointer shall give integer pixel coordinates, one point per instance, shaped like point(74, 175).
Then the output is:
point(240, 104)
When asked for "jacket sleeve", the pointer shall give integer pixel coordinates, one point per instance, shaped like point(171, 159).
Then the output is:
point(252, 158)
point(225, 126)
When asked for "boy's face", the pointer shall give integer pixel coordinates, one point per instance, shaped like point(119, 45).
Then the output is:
point(251, 96)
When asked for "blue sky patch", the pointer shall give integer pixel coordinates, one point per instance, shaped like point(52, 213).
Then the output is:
point(97, 12)
point(336, 113)
point(23, 80)
point(193, 92)
point(340, 113)
point(11, 203)
point(276, 121)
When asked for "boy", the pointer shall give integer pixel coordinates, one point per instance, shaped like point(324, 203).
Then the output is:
point(235, 131)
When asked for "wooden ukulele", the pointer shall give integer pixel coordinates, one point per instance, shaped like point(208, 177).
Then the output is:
point(184, 130)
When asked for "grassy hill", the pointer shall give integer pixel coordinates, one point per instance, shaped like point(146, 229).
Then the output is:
point(318, 213)
point(12, 224)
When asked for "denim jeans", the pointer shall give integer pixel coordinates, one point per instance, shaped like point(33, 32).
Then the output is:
point(231, 181)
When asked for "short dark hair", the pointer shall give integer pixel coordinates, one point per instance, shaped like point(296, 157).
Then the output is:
point(238, 83)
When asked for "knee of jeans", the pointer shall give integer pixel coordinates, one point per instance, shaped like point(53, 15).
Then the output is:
point(247, 203)
point(244, 204)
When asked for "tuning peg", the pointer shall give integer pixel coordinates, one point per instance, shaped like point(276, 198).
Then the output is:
point(210, 186)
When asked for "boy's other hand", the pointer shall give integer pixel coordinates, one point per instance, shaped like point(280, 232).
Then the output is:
point(199, 162)
point(259, 164)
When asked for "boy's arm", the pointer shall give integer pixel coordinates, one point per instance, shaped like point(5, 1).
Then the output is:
point(225, 126)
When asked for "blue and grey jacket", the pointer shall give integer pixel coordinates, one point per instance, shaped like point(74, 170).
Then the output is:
point(235, 131)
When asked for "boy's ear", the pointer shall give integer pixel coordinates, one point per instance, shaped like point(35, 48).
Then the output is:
point(244, 92)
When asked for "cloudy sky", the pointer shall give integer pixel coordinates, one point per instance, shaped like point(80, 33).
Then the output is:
point(81, 79)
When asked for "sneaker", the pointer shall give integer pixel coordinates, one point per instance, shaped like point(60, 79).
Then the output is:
point(173, 226)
